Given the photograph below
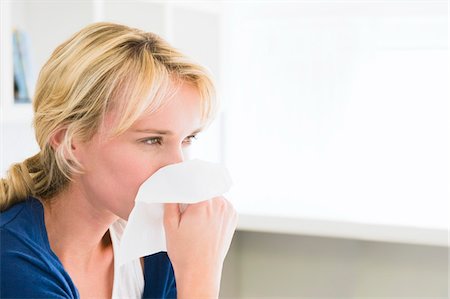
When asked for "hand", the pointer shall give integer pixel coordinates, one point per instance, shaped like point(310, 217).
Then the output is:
point(197, 242)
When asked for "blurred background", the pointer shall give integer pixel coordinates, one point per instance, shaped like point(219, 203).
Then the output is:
point(334, 125)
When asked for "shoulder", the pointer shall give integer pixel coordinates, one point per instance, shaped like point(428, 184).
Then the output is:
point(29, 269)
point(159, 277)
point(25, 275)
point(23, 217)
point(23, 229)
point(10, 214)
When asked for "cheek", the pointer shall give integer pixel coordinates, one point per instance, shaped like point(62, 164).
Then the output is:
point(131, 166)
point(132, 169)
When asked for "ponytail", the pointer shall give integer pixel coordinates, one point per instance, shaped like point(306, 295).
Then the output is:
point(17, 185)
point(31, 177)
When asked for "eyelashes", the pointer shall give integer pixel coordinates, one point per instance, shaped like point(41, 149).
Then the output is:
point(157, 141)
point(188, 140)
point(152, 141)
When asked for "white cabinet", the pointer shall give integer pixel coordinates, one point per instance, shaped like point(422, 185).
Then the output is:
point(192, 28)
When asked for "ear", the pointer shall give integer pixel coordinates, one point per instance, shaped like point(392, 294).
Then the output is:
point(58, 138)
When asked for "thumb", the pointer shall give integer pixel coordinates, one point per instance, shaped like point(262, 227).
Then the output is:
point(172, 215)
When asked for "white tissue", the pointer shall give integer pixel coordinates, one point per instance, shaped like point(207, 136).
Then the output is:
point(186, 183)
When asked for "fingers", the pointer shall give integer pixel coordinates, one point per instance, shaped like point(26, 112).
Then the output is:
point(217, 209)
point(199, 238)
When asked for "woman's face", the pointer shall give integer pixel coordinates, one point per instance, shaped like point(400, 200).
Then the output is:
point(115, 167)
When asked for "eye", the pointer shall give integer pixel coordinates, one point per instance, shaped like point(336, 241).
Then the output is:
point(152, 141)
point(188, 140)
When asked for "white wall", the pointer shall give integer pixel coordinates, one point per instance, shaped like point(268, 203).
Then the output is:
point(339, 110)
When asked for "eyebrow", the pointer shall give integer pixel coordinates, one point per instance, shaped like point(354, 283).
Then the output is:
point(164, 132)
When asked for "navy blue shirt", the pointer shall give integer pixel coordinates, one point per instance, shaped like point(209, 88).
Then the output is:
point(30, 269)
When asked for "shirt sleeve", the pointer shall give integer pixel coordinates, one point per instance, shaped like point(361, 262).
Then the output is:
point(159, 277)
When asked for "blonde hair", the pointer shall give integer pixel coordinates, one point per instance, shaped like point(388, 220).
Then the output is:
point(102, 67)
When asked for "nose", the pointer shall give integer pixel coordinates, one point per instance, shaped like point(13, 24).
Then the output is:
point(174, 155)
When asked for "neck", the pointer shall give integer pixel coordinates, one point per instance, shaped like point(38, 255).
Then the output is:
point(77, 230)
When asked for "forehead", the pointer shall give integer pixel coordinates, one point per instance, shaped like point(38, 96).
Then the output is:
point(183, 108)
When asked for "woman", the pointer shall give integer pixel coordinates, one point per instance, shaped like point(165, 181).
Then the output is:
point(113, 104)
